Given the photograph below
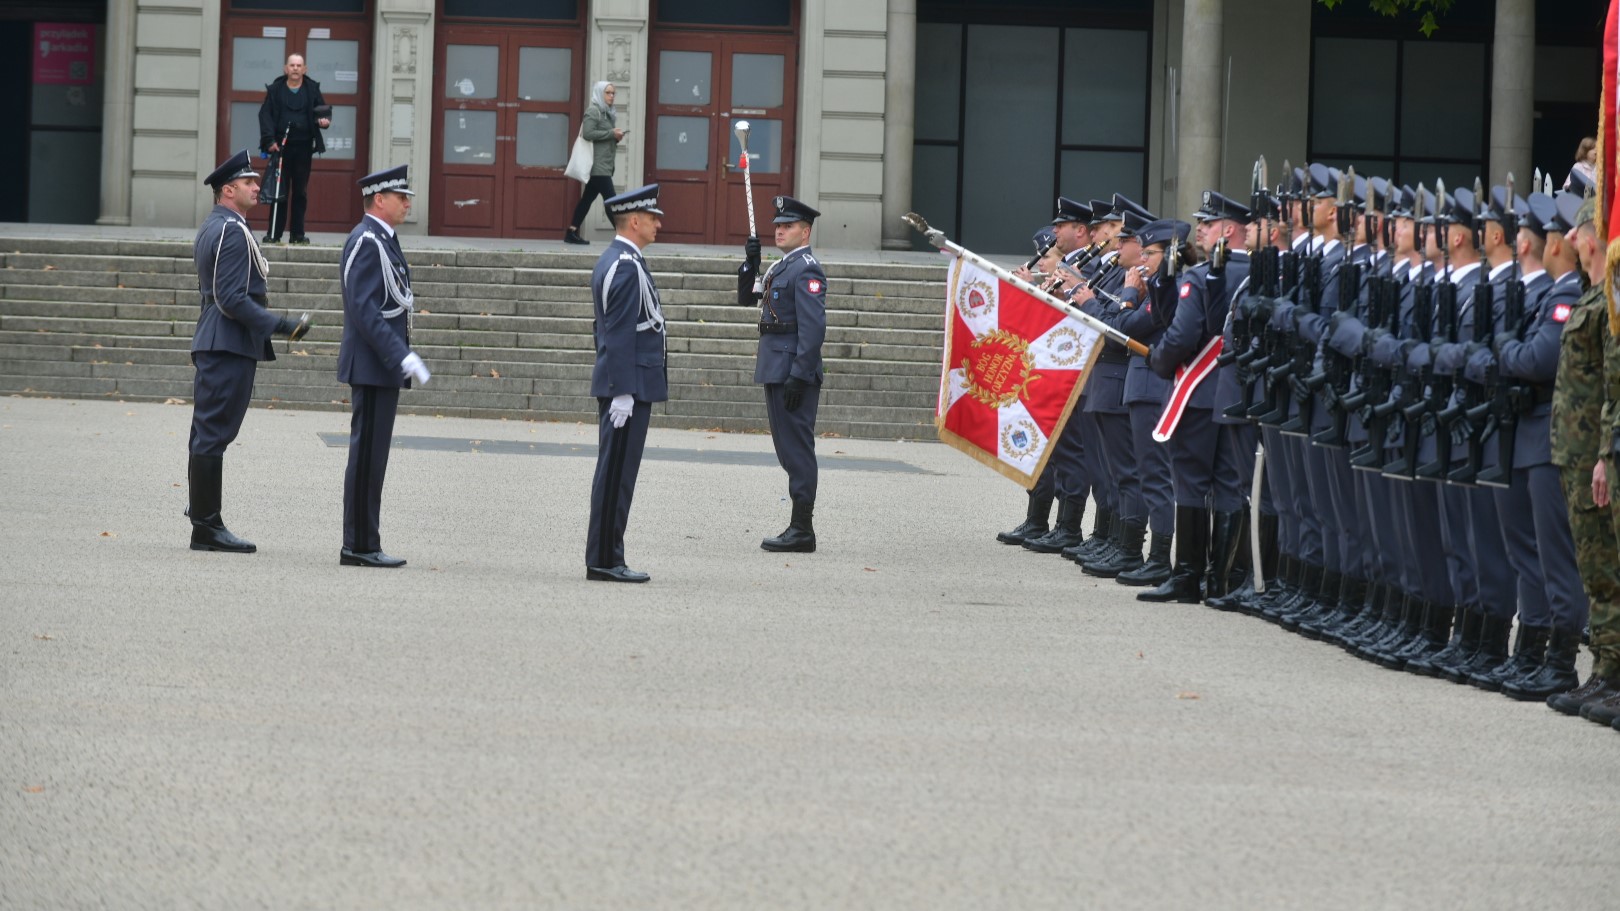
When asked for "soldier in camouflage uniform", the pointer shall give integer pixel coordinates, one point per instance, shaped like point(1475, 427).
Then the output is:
point(1588, 354)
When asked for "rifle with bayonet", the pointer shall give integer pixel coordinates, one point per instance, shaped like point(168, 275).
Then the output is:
point(1508, 398)
point(1439, 386)
point(1308, 295)
point(1338, 369)
point(1468, 416)
point(1275, 345)
point(1374, 381)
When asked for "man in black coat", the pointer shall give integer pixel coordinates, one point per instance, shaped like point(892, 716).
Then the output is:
point(290, 122)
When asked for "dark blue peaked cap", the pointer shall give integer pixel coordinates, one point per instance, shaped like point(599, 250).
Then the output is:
point(1163, 230)
point(641, 199)
point(1071, 210)
point(232, 168)
point(1216, 206)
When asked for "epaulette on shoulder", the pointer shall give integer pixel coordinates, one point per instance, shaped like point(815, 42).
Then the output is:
point(625, 256)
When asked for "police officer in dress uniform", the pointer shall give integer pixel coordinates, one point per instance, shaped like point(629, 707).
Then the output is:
point(375, 358)
point(233, 334)
point(1534, 508)
point(792, 325)
point(1201, 451)
point(629, 376)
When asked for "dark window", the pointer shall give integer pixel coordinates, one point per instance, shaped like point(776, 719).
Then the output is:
point(755, 13)
point(554, 10)
point(301, 6)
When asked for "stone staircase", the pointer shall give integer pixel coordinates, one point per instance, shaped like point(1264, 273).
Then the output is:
point(507, 334)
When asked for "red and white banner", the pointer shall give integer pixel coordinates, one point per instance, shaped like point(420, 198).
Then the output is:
point(1608, 168)
point(1013, 370)
point(1188, 378)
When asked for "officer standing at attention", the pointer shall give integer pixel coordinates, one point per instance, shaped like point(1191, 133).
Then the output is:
point(792, 326)
point(233, 334)
point(375, 359)
point(629, 376)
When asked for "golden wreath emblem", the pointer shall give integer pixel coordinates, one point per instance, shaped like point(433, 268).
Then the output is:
point(976, 299)
point(1001, 370)
point(1064, 345)
point(1018, 439)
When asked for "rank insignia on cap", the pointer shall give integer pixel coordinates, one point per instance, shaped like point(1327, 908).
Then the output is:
point(1561, 313)
point(815, 286)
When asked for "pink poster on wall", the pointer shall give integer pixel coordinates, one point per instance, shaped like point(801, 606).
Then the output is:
point(64, 53)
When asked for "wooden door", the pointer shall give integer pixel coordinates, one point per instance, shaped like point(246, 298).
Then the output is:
point(509, 103)
point(339, 58)
point(703, 83)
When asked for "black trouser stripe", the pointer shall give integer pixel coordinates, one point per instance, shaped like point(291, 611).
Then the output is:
point(362, 474)
point(618, 446)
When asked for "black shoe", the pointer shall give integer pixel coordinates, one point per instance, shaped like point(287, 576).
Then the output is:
point(800, 536)
point(299, 239)
point(620, 573)
point(271, 240)
point(1555, 675)
point(1066, 533)
point(572, 237)
point(376, 558)
point(1037, 520)
point(1605, 713)
point(1185, 586)
point(1155, 569)
point(219, 538)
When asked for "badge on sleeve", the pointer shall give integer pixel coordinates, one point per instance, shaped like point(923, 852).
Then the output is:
point(815, 286)
point(1186, 288)
point(1561, 313)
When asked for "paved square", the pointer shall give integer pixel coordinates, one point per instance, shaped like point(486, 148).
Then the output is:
point(914, 717)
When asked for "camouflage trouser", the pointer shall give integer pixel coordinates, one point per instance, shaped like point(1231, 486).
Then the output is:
point(1597, 554)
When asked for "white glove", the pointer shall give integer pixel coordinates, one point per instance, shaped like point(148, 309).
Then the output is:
point(413, 367)
point(619, 410)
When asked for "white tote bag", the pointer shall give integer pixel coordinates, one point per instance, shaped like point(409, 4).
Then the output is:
point(581, 160)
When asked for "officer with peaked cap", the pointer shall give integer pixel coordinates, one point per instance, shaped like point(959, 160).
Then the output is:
point(234, 327)
point(629, 376)
point(375, 358)
point(792, 300)
point(1536, 519)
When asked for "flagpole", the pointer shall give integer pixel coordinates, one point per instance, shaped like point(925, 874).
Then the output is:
point(938, 239)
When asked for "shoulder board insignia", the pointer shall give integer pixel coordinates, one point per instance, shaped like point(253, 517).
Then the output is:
point(808, 258)
point(629, 256)
point(1561, 313)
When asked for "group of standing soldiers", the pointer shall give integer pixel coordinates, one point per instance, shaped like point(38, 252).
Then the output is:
point(1377, 415)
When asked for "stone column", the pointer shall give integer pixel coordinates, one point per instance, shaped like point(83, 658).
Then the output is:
point(1513, 90)
point(899, 121)
point(1198, 122)
point(402, 107)
point(117, 114)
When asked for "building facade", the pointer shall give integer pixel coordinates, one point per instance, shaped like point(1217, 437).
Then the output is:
point(973, 112)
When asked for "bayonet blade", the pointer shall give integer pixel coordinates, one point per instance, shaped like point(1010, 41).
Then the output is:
point(1417, 205)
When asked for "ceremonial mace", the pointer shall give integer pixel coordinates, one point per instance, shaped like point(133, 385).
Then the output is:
point(748, 191)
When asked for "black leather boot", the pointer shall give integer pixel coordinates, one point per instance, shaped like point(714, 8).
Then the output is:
point(800, 536)
point(1192, 559)
point(1352, 601)
point(1432, 636)
point(1066, 533)
point(1493, 646)
point(1555, 675)
point(1596, 688)
point(1325, 603)
point(1111, 549)
point(1155, 569)
point(208, 532)
point(1529, 650)
point(1388, 652)
point(1310, 589)
point(1102, 526)
point(1227, 553)
point(1128, 555)
point(1037, 515)
point(1279, 587)
point(1464, 641)
point(1262, 568)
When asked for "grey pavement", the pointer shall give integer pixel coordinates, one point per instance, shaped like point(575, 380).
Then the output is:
point(914, 717)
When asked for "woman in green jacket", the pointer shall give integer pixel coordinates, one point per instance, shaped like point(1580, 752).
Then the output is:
point(600, 131)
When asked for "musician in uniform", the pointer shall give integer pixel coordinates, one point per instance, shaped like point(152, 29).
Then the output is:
point(629, 376)
point(792, 326)
point(234, 327)
point(375, 358)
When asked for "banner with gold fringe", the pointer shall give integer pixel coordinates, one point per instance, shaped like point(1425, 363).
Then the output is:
point(1014, 369)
